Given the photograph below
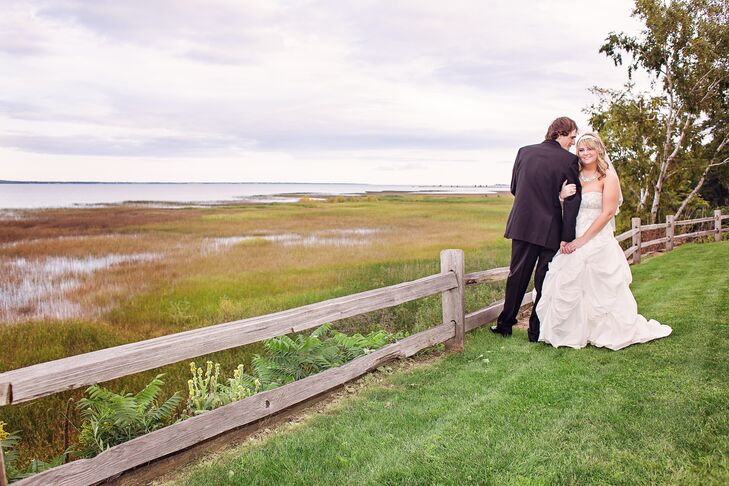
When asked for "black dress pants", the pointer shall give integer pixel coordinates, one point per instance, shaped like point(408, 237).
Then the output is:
point(524, 256)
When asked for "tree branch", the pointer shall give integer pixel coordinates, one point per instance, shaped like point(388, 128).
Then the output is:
point(700, 184)
point(720, 163)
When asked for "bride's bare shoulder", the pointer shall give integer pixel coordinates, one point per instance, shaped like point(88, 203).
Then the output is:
point(611, 174)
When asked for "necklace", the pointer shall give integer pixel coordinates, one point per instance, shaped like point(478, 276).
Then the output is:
point(588, 179)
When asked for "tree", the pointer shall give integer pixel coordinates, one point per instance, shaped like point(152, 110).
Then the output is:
point(670, 140)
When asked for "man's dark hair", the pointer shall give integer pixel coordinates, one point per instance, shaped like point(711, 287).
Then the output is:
point(561, 126)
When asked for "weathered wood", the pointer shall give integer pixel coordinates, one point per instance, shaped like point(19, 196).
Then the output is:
point(635, 223)
point(3, 476)
point(657, 241)
point(6, 392)
point(670, 230)
point(489, 314)
point(98, 366)
point(695, 234)
point(184, 434)
point(453, 300)
point(650, 227)
point(493, 275)
point(628, 234)
point(630, 251)
point(717, 225)
point(708, 219)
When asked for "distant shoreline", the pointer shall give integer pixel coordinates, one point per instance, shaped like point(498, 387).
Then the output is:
point(30, 195)
point(251, 183)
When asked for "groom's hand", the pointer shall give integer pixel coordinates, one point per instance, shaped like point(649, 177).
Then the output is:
point(564, 247)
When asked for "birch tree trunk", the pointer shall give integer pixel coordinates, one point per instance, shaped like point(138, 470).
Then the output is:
point(665, 164)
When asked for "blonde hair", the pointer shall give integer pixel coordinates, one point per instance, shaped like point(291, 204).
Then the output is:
point(592, 141)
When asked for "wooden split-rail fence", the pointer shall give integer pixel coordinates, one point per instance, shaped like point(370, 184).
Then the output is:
point(32, 382)
point(673, 232)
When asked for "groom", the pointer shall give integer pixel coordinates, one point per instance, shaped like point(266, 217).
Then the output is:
point(538, 226)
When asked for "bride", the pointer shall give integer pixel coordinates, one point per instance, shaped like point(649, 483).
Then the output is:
point(585, 296)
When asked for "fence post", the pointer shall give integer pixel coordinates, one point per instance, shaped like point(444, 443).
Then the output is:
point(717, 225)
point(670, 229)
point(453, 300)
point(3, 477)
point(635, 224)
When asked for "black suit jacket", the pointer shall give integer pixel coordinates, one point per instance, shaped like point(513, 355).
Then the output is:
point(536, 181)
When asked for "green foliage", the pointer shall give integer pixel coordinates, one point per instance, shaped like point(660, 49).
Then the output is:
point(289, 359)
point(667, 141)
point(207, 391)
point(9, 443)
point(110, 418)
point(286, 360)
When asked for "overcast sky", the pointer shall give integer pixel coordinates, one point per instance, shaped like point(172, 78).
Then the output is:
point(401, 92)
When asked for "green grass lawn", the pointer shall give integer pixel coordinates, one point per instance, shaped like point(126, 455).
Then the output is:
point(505, 411)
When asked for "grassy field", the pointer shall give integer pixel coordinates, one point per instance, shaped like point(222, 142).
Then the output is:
point(192, 267)
point(509, 412)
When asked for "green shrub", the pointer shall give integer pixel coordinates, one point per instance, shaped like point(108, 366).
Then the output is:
point(206, 391)
point(285, 360)
point(288, 360)
point(110, 418)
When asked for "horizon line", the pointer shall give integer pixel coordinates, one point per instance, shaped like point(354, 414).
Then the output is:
point(2, 181)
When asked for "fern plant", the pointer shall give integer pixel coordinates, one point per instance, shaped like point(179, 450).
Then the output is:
point(9, 442)
point(288, 360)
point(110, 418)
point(285, 360)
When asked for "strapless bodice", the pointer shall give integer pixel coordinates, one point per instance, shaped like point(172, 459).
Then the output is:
point(590, 209)
point(591, 200)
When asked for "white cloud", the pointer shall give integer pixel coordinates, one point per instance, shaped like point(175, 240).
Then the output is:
point(382, 92)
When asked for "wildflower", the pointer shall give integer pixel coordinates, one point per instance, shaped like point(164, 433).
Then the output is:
point(3, 434)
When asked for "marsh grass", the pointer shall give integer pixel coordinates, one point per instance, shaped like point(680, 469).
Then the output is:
point(187, 288)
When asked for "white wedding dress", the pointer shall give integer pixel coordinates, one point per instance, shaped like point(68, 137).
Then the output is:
point(586, 296)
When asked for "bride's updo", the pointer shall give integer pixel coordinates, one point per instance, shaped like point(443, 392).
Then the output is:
point(592, 141)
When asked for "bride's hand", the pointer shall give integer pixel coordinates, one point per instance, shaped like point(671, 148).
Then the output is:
point(576, 243)
point(567, 190)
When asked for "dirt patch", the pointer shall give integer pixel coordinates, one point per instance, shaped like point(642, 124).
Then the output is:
point(522, 319)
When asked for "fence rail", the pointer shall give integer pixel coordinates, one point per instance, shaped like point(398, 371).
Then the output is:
point(670, 238)
point(493, 275)
point(77, 371)
point(708, 219)
point(628, 234)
